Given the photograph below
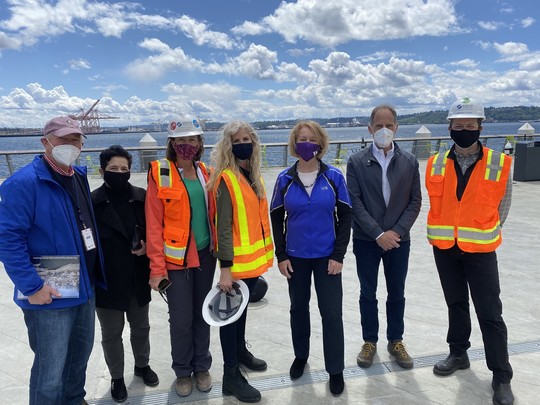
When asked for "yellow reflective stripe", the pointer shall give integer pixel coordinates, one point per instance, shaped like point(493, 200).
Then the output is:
point(164, 179)
point(242, 213)
point(174, 252)
point(440, 232)
point(494, 166)
point(249, 266)
point(438, 167)
point(250, 249)
point(480, 236)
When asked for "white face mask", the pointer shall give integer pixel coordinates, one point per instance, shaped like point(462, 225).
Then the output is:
point(65, 154)
point(383, 137)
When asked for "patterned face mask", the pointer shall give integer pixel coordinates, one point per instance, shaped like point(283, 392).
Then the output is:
point(185, 151)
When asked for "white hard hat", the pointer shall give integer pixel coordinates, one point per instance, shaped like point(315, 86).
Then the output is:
point(183, 126)
point(466, 108)
point(221, 308)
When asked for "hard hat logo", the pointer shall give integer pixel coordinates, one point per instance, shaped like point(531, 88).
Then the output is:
point(466, 108)
point(180, 127)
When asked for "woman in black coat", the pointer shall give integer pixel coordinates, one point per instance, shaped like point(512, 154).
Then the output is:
point(119, 212)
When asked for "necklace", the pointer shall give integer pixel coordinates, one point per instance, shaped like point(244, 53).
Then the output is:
point(316, 175)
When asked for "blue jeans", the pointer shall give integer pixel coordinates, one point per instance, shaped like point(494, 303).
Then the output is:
point(62, 340)
point(396, 262)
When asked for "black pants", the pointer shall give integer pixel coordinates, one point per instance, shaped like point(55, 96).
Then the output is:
point(330, 299)
point(460, 272)
point(234, 334)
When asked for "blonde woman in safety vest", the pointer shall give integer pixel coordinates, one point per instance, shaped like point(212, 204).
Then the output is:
point(179, 230)
point(469, 190)
point(243, 243)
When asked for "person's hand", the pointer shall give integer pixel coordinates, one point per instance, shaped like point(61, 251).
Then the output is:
point(154, 282)
point(226, 279)
point(334, 267)
point(285, 268)
point(44, 295)
point(389, 240)
point(141, 251)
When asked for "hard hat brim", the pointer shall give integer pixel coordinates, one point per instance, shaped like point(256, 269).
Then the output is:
point(210, 320)
point(184, 134)
point(451, 117)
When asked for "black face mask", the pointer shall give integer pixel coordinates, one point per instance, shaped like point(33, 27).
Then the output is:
point(117, 180)
point(242, 151)
point(465, 138)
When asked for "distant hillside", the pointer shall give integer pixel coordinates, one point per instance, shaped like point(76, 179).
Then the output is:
point(493, 114)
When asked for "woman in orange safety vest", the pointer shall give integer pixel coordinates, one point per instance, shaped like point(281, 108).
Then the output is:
point(179, 230)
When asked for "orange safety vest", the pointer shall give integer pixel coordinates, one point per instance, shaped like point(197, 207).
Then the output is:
point(252, 239)
point(473, 223)
point(172, 191)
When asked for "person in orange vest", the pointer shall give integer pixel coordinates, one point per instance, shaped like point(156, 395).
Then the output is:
point(243, 241)
point(179, 231)
point(470, 191)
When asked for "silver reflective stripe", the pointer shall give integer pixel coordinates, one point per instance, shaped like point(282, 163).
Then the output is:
point(440, 232)
point(439, 164)
point(175, 253)
point(494, 166)
point(164, 175)
point(480, 236)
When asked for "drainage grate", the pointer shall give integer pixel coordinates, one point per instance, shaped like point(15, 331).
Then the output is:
point(312, 377)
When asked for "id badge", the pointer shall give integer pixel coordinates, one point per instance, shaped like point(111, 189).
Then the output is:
point(88, 238)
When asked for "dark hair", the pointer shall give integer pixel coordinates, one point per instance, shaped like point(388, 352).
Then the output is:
point(112, 151)
point(171, 154)
point(383, 107)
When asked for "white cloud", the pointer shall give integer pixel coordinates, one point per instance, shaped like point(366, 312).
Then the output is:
point(256, 62)
point(201, 35)
point(467, 63)
point(335, 22)
point(527, 22)
point(490, 25)
point(78, 64)
point(511, 48)
point(156, 66)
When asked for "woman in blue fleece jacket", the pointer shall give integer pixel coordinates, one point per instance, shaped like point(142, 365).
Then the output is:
point(311, 223)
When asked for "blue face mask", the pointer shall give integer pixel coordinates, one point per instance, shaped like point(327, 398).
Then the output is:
point(242, 151)
point(307, 150)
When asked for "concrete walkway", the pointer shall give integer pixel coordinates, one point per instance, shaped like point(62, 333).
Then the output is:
point(268, 332)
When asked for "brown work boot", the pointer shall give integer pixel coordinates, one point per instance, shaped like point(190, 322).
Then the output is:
point(203, 381)
point(365, 357)
point(184, 386)
point(397, 349)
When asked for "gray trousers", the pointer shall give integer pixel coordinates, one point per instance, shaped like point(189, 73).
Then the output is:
point(112, 325)
point(190, 334)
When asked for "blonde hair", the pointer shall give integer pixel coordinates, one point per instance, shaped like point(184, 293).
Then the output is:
point(223, 157)
point(320, 134)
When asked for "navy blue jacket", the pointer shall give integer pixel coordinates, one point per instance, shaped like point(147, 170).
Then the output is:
point(311, 227)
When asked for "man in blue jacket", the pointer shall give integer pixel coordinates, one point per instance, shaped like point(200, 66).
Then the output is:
point(45, 210)
point(384, 186)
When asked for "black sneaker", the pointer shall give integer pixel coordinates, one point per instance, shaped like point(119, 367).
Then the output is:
point(148, 375)
point(118, 390)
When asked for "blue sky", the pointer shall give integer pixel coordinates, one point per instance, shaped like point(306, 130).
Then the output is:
point(262, 60)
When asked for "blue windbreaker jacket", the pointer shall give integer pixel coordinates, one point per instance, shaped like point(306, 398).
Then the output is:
point(37, 219)
point(311, 227)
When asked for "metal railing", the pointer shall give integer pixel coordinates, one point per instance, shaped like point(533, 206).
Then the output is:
point(274, 154)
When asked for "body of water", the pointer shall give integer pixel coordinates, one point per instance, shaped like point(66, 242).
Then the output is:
point(274, 156)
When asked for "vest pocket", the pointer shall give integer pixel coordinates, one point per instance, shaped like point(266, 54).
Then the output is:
point(435, 193)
